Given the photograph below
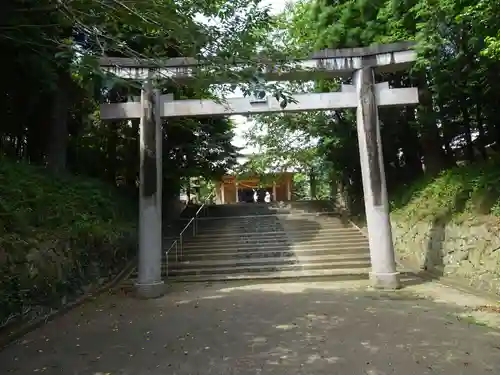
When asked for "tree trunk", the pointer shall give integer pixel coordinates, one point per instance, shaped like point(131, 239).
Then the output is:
point(188, 189)
point(37, 123)
point(469, 146)
point(58, 140)
point(482, 140)
point(111, 150)
point(313, 184)
point(333, 186)
point(411, 147)
point(430, 139)
point(170, 197)
point(341, 197)
point(446, 134)
point(132, 158)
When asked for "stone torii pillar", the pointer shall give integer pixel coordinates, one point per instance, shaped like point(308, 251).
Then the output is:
point(383, 274)
point(150, 283)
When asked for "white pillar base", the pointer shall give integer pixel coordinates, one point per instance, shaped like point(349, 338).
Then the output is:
point(387, 281)
point(153, 290)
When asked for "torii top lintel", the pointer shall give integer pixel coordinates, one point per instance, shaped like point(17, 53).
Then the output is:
point(324, 63)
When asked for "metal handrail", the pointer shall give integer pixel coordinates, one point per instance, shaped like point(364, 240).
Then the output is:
point(178, 243)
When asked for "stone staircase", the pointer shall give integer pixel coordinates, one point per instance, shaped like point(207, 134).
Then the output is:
point(261, 241)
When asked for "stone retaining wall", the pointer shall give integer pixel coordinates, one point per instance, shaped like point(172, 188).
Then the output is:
point(468, 250)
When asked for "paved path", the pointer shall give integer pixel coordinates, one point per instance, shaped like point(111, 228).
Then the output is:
point(308, 328)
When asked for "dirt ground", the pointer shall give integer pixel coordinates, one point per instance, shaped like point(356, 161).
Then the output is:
point(269, 328)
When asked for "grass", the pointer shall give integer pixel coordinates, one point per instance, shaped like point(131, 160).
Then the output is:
point(58, 237)
point(465, 192)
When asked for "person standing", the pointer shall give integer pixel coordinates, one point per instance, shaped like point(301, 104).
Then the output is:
point(267, 197)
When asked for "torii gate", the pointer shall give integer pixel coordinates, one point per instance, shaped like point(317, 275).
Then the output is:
point(365, 95)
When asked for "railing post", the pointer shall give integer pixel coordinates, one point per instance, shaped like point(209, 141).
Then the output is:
point(166, 264)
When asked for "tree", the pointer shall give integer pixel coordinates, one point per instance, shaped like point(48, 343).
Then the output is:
point(51, 106)
point(285, 144)
point(455, 122)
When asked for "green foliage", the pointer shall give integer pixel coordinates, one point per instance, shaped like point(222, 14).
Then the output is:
point(199, 147)
point(207, 191)
point(466, 191)
point(300, 186)
point(284, 141)
point(50, 109)
point(458, 60)
point(58, 235)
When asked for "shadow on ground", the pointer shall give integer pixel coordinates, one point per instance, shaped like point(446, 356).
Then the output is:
point(306, 328)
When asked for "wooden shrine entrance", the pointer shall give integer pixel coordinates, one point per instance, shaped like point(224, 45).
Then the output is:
point(237, 189)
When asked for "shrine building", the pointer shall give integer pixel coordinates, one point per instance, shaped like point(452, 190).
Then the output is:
point(239, 189)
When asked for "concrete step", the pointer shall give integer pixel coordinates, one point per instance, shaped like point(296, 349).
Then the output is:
point(277, 252)
point(331, 235)
point(229, 230)
point(237, 243)
point(285, 265)
point(322, 243)
point(231, 235)
point(280, 241)
point(305, 259)
point(257, 265)
point(278, 216)
point(329, 274)
point(239, 210)
point(261, 241)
